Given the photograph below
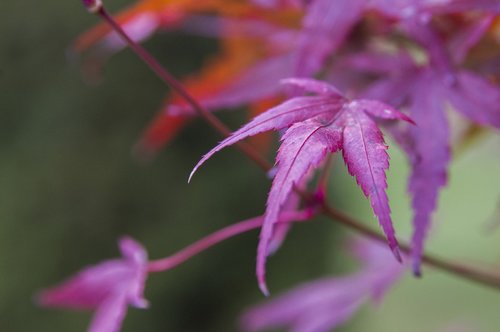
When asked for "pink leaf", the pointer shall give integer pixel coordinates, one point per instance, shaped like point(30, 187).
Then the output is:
point(366, 158)
point(109, 315)
point(321, 125)
point(429, 155)
point(463, 41)
point(280, 117)
point(108, 288)
point(324, 305)
point(427, 90)
point(281, 230)
point(261, 80)
point(476, 98)
point(378, 63)
point(391, 90)
point(257, 82)
point(325, 28)
point(303, 147)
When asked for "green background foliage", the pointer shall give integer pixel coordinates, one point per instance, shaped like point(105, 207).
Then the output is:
point(69, 187)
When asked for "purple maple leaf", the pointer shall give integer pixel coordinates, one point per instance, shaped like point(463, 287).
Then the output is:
point(281, 230)
point(316, 126)
point(325, 27)
point(108, 288)
point(426, 90)
point(325, 304)
point(429, 155)
point(327, 24)
point(257, 82)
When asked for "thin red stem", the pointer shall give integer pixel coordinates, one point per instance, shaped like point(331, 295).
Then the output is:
point(171, 81)
point(219, 236)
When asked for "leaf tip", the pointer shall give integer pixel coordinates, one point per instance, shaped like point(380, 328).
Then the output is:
point(396, 252)
point(192, 174)
point(417, 271)
point(263, 288)
point(408, 119)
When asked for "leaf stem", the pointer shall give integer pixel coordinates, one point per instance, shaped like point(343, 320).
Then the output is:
point(171, 81)
point(219, 236)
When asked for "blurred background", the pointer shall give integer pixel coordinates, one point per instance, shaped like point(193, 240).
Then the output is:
point(69, 188)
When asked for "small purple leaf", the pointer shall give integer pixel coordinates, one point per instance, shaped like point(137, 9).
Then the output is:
point(325, 28)
point(365, 155)
point(326, 304)
point(109, 315)
point(303, 148)
point(107, 288)
point(257, 82)
point(476, 98)
point(464, 40)
point(277, 118)
point(316, 126)
point(429, 156)
point(281, 230)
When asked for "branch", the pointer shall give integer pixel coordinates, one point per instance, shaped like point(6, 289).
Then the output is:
point(456, 269)
point(171, 81)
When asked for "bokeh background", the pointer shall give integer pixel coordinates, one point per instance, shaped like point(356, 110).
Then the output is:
point(69, 187)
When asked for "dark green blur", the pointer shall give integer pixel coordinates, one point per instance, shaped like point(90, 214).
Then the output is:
point(69, 186)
